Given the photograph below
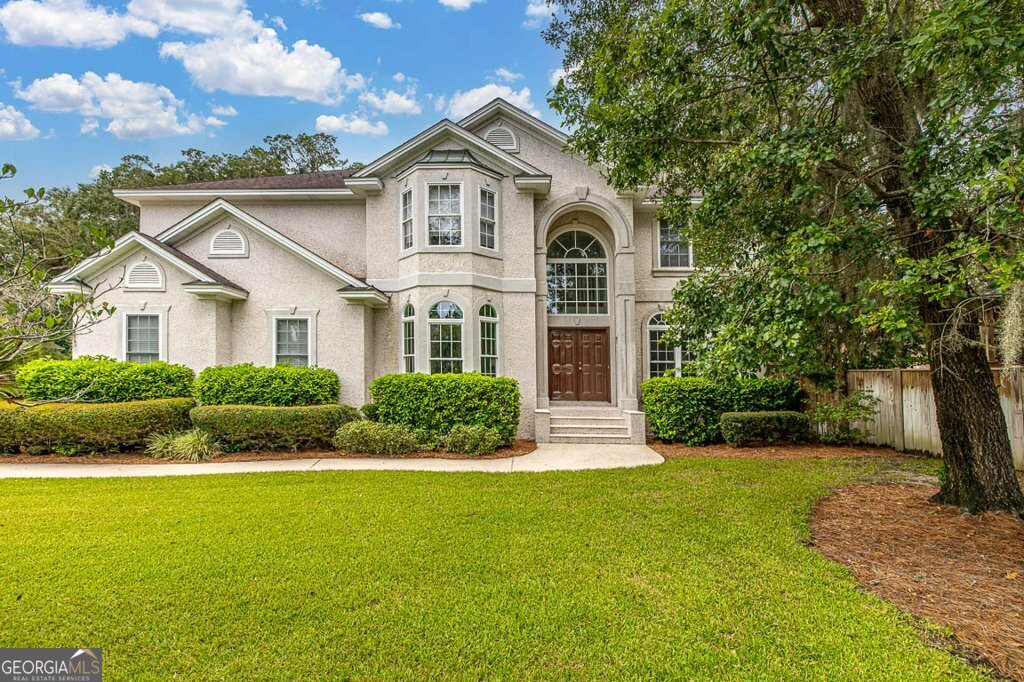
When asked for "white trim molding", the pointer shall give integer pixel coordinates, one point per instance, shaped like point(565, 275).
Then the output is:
point(215, 292)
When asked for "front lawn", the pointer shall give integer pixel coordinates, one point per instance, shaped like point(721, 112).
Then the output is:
point(694, 569)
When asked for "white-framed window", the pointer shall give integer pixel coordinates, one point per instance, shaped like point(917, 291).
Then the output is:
point(142, 337)
point(444, 215)
point(445, 319)
point(144, 276)
point(292, 341)
point(577, 275)
point(674, 250)
point(488, 340)
point(406, 220)
point(661, 358)
point(229, 243)
point(408, 339)
point(488, 220)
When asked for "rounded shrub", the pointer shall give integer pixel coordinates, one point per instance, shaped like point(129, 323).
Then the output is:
point(193, 445)
point(100, 379)
point(748, 428)
point(254, 427)
point(370, 413)
point(79, 428)
point(374, 438)
point(281, 386)
point(473, 440)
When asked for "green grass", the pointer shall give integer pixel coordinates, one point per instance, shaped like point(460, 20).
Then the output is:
point(695, 569)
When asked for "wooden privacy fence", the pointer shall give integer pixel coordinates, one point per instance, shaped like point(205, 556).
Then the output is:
point(906, 408)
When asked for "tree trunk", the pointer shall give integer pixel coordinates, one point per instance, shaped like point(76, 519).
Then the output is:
point(975, 444)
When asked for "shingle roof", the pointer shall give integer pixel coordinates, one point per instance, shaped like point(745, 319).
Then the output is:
point(321, 180)
point(212, 274)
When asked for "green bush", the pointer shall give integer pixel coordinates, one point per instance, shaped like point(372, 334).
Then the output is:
point(102, 380)
point(473, 440)
point(440, 402)
point(281, 386)
point(186, 446)
point(78, 428)
point(747, 428)
point(836, 420)
point(688, 409)
point(369, 411)
point(374, 438)
point(254, 427)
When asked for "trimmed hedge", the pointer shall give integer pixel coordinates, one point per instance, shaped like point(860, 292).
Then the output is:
point(473, 440)
point(374, 438)
point(253, 427)
point(746, 428)
point(281, 386)
point(688, 409)
point(78, 428)
point(100, 379)
point(438, 403)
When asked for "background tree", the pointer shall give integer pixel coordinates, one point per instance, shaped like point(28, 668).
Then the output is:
point(872, 141)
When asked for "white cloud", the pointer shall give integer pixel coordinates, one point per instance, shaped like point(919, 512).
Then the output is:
point(95, 171)
point(507, 75)
point(69, 23)
point(556, 75)
point(459, 4)
point(350, 124)
point(223, 110)
point(213, 122)
point(264, 66)
point(89, 126)
point(537, 12)
point(14, 125)
point(379, 20)
point(392, 102)
point(133, 109)
point(204, 17)
point(465, 103)
point(399, 77)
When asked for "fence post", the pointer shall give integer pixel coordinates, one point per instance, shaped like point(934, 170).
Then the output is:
point(899, 405)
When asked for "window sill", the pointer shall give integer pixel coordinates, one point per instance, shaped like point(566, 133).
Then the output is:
point(673, 272)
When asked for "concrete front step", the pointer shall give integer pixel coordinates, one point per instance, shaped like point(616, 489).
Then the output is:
point(593, 439)
point(587, 421)
point(622, 430)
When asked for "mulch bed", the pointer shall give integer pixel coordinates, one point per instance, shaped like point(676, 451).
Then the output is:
point(517, 449)
point(962, 572)
point(789, 451)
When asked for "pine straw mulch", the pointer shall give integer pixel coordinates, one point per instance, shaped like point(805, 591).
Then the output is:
point(779, 451)
point(517, 449)
point(962, 572)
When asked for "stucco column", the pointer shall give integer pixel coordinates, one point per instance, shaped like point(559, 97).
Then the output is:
point(223, 332)
point(543, 401)
point(625, 337)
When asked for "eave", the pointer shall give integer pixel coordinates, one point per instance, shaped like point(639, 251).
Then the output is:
point(371, 298)
point(215, 292)
point(137, 196)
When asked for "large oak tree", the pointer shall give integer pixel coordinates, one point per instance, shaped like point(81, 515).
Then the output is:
point(860, 161)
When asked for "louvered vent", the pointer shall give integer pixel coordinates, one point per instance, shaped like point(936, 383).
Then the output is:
point(502, 137)
point(228, 243)
point(144, 275)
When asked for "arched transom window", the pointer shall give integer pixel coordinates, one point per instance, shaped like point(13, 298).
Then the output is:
point(662, 359)
point(445, 320)
point(577, 275)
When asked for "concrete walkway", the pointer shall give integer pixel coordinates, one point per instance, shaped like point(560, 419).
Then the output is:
point(547, 457)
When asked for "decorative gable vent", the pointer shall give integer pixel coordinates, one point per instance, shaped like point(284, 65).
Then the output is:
point(502, 137)
point(228, 244)
point(145, 276)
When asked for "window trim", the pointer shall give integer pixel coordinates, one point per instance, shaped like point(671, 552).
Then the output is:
point(402, 248)
point(451, 323)
point(162, 286)
point(649, 327)
point(403, 357)
point(494, 223)
point(462, 214)
point(282, 314)
point(666, 269)
point(160, 312)
point(481, 319)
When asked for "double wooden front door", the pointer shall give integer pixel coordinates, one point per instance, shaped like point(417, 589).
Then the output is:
point(578, 362)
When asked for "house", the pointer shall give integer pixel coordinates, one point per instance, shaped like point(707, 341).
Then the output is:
point(477, 246)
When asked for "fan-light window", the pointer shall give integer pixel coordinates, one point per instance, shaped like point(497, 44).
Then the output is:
point(577, 275)
point(502, 137)
point(228, 243)
point(145, 276)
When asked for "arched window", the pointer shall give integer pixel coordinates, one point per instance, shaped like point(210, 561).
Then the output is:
point(408, 338)
point(661, 358)
point(577, 275)
point(488, 340)
point(229, 243)
point(144, 276)
point(445, 338)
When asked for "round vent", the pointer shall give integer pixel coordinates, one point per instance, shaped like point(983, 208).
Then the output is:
point(502, 137)
point(144, 275)
point(228, 243)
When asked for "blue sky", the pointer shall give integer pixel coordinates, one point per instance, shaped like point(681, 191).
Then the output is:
point(84, 82)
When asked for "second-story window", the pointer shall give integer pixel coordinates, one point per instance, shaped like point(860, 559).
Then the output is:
point(488, 238)
point(444, 215)
point(674, 251)
point(407, 219)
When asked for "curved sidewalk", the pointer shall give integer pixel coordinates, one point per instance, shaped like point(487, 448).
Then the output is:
point(547, 457)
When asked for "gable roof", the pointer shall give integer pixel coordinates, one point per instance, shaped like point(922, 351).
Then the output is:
point(132, 242)
point(498, 107)
point(221, 208)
